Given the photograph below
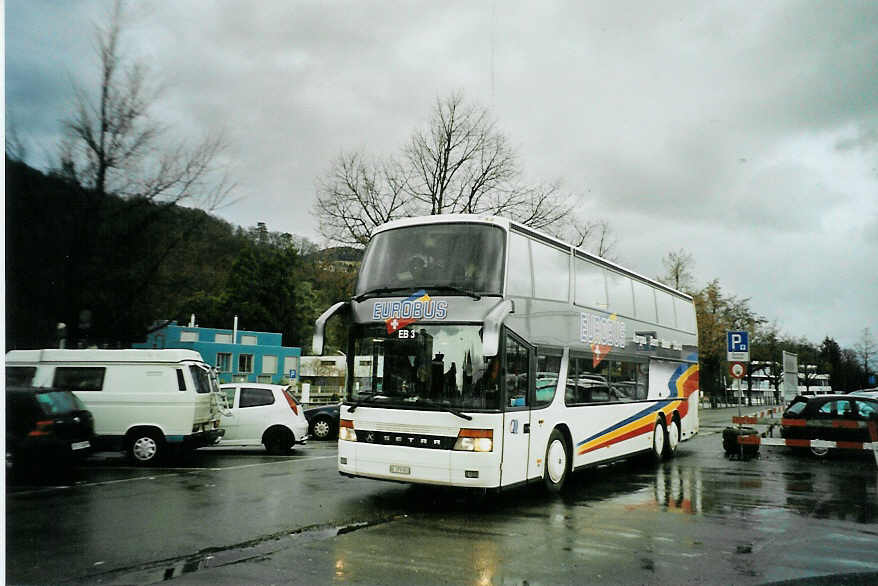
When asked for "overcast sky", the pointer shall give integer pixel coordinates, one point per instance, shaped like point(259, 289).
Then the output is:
point(744, 134)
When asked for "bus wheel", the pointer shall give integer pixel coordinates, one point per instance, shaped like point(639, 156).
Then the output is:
point(557, 462)
point(673, 439)
point(658, 440)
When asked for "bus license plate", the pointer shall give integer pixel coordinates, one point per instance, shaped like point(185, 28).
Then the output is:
point(397, 469)
point(79, 445)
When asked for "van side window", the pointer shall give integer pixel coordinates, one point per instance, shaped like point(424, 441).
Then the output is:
point(20, 376)
point(181, 382)
point(79, 378)
point(255, 397)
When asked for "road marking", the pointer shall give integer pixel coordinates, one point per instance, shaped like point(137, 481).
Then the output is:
point(155, 476)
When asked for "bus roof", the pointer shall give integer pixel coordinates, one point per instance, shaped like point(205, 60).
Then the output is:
point(508, 224)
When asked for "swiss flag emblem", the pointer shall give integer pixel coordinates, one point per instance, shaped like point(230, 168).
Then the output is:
point(600, 352)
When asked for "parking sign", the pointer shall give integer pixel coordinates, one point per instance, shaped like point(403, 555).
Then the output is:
point(738, 346)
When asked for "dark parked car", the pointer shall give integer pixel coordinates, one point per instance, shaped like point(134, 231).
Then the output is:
point(323, 421)
point(831, 408)
point(46, 429)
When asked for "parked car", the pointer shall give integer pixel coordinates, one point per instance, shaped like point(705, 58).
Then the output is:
point(323, 421)
point(146, 402)
point(261, 413)
point(830, 408)
point(45, 429)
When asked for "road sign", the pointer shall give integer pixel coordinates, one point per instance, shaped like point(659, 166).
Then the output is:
point(292, 373)
point(738, 346)
point(737, 369)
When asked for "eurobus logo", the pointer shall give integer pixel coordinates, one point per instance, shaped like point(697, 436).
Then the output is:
point(399, 314)
point(602, 334)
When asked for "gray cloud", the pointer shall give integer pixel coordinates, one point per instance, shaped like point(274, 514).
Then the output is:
point(745, 134)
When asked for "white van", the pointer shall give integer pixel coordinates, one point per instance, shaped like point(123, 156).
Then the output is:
point(143, 401)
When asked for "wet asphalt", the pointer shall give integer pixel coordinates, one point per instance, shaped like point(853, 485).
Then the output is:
point(229, 516)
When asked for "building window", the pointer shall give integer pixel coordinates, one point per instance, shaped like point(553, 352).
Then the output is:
point(245, 363)
point(290, 363)
point(248, 340)
point(224, 361)
point(223, 338)
point(269, 364)
point(188, 336)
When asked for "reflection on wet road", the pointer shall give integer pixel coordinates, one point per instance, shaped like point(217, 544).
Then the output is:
point(241, 516)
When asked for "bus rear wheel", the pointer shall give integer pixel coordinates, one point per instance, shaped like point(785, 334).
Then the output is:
point(673, 439)
point(557, 462)
point(659, 439)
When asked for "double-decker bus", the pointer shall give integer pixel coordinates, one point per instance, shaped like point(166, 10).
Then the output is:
point(482, 353)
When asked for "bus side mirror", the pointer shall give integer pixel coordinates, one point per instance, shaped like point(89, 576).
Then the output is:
point(494, 325)
point(320, 327)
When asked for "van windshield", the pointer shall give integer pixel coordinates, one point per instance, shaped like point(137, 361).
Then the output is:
point(201, 378)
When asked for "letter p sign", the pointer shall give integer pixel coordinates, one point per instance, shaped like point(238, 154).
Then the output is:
point(738, 346)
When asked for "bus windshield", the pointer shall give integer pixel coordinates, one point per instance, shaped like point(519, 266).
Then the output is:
point(424, 367)
point(461, 256)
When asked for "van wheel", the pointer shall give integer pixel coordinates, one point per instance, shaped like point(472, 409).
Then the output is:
point(820, 452)
point(557, 462)
point(145, 447)
point(278, 441)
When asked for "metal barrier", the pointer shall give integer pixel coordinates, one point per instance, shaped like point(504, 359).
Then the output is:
point(754, 440)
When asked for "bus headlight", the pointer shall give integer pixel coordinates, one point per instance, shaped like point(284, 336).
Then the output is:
point(346, 430)
point(475, 440)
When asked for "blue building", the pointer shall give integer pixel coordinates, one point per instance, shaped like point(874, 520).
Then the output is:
point(239, 356)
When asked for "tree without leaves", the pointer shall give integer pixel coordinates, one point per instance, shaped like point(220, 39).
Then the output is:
point(356, 196)
point(460, 164)
point(112, 146)
point(865, 349)
point(594, 236)
point(678, 270)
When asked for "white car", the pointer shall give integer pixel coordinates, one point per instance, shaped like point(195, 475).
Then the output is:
point(265, 414)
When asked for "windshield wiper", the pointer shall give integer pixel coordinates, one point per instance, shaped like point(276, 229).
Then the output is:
point(379, 291)
point(449, 409)
point(454, 411)
point(363, 398)
point(455, 289)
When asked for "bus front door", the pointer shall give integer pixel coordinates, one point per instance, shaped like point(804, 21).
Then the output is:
point(516, 416)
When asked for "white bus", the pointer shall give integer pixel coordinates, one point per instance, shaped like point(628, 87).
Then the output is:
point(484, 354)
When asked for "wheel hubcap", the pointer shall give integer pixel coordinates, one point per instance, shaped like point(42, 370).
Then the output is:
point(144, 449)
point(673, 436)
point(321, 429)
point(658, 440)
point(556, 461)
